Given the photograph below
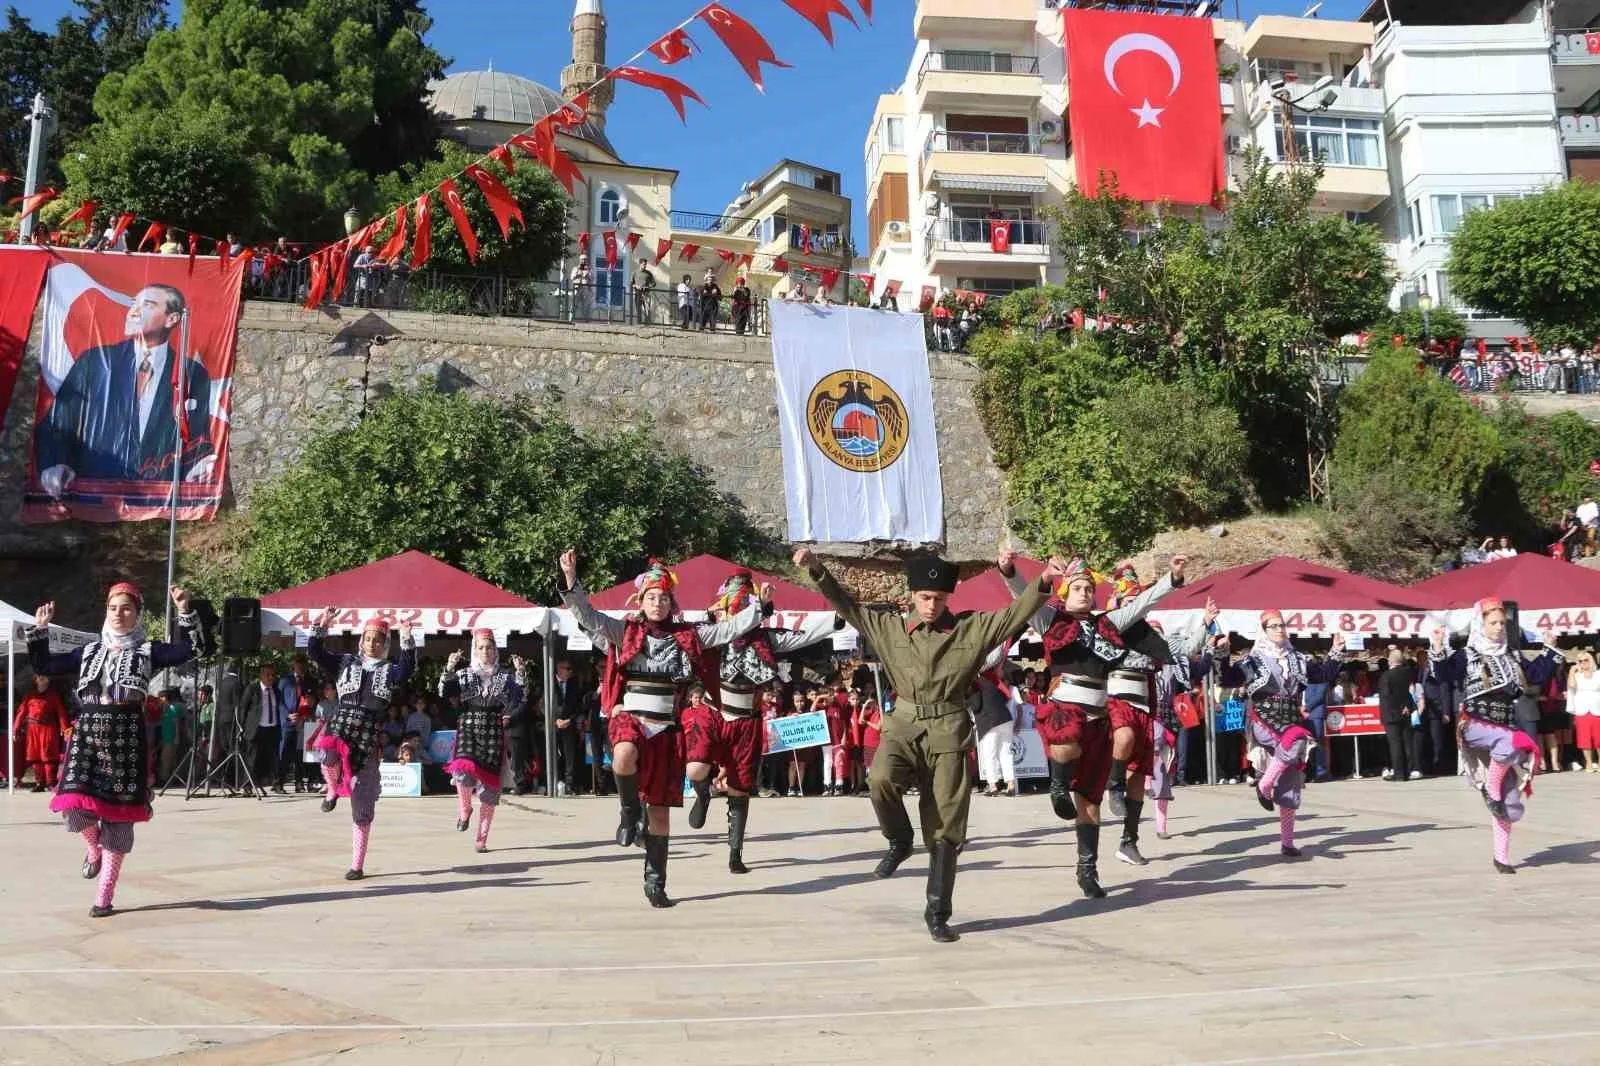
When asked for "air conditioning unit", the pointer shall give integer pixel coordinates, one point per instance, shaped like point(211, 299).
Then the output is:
point(898, 229)
point(1233, 143)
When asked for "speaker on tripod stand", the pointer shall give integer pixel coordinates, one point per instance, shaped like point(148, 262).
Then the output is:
point(241, 626)
point(241, 635)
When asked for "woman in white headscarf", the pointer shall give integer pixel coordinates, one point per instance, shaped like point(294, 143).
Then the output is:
point(105, 778)
point(491, 696)
point(1500, 759)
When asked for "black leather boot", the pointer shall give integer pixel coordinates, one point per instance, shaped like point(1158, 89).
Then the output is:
point(1128, 852)
point(1089, 860)
point(1061, 791)
point(702, 803)
point(738, 817)
point(898, 853)
point(630, 826)
point(655, 870)
point(941, 887)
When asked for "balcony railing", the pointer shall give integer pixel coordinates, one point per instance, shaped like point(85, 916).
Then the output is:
point(1579, 129)
point(993, 143)
point(948, 231)
point(699, 222)
point(1575, 46)
point(965, 62)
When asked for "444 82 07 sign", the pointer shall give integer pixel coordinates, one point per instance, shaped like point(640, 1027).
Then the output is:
point(434, 620)
point(1387, 623)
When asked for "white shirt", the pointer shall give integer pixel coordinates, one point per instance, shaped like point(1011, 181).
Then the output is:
point(158, 367)
point(1583, 694)
point(1588, 512)
point(269, 706)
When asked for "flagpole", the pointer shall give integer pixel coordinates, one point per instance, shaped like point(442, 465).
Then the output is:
point(180, 380)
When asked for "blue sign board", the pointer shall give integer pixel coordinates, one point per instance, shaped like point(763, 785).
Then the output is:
point(1231, 720)
point(797, 731)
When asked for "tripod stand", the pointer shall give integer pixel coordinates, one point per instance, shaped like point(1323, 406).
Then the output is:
point(234, 758)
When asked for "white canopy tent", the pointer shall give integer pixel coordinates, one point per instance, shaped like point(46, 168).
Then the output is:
point(14, 625)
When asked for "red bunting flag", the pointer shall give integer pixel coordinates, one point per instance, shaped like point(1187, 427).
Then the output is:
point(609, 240)
point(891, 289)
point(83, 213)
point(37, 200)
point(339, 267)
point(397, 240)
point(574, 112)
point(541, 145)
point(222, 256)
point(674, 47)
point(925, 301)
point(119, 227)
point(244, 259)
point(830, 278)
point(866, 8)
point(745, 261)
point(583, 243)
point(153, 235)
point(980, 298)
point(687, 253)
point(501, 202)
point(725, 255)
point(820, 14)
point(781, 265)
point(805, 238)
point(422, 246)
point(458, 211)
point(319, 279)
point(632, 242)
point(675, 90)
point(194, 249)
point(743, 40)
point(502, 155)
point(868, 280)
point(663, 246)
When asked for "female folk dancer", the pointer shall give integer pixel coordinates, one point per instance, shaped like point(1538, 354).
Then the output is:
point(349, 741)
point(1189, 660)
point(1274, 676)
point(650, 660)
point(491, 697)
point(729, 733)
point(105, 781)
point(1499, 758)
point(1083, 649)
point(41, 719)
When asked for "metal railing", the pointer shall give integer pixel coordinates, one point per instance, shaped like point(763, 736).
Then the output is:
point(977, 231)
point(501, 295)
point(977, 62)
point(700, 222)
point(992, 143)
point(1576, 45)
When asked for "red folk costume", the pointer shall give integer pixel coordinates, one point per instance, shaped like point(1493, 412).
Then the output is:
point(41, 718)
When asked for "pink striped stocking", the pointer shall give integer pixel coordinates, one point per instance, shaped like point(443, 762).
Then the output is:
point(1269, 776)
point(1286, 825)
point(464, 793)
point(485, 819)
point(108, 878)
point(1502, 841)
point(91, 843)
point(330, 777)
point(1161, 816)
point(358, 846)
point(1497, 779)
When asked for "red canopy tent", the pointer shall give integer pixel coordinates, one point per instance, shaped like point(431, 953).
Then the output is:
point(1315, 601)
point(409, 587)
point(987, 591)
point(1549, 593)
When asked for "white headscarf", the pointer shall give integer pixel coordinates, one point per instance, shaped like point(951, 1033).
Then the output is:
point(1477, 639)
point(483, 666)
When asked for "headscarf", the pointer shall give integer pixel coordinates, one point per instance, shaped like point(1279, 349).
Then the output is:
point(1476, 638)
point(369, 662)
point(1077, 570)
point(485, 667)
point(133, 637)
point(1125, 584)
point(734, 593)
point(1279, 648)
point(655, 576)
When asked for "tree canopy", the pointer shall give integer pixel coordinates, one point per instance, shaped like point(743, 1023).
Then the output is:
point(1537, 260)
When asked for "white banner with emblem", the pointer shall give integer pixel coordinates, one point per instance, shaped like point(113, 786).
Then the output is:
point(855, 406)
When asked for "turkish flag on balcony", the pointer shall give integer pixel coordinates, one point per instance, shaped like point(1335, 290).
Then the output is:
point(609, 237)
point(663, 246)
point(1000, 237)
point(1145, 106)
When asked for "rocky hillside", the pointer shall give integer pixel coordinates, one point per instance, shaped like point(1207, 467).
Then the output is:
point(1248, 540)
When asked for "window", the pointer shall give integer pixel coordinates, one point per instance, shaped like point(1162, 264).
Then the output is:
point(1306, 70)
point(610, 286)
point(1416, 220)
point(997, 286)
point(1338, 142)
point(1449, 208)
point(873, 154)
point(610, 207)
point(894, 134)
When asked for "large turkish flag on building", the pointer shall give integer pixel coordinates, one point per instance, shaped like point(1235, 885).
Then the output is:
point(1144, 105)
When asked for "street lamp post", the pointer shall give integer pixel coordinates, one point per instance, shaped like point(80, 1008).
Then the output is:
point(1425, 305)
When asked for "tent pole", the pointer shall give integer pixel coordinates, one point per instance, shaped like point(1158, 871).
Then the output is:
point(548, 656)
point(11, 708)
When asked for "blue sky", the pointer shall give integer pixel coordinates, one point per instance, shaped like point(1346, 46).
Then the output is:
point(816, 112)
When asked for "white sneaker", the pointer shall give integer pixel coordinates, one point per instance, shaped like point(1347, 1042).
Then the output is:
point(1388, 773)
point(1415, 775)
point(1575, 766)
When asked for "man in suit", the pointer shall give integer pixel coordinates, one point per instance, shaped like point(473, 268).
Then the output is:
point(261, 710)
point(112, 418)
point(1395, 708)
point(291, 687)
point(572, 722)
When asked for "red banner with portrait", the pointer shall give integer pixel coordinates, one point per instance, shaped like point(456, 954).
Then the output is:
point(21, 274)
point(136, 374)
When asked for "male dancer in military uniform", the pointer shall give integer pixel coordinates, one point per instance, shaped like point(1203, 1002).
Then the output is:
point(932, 657)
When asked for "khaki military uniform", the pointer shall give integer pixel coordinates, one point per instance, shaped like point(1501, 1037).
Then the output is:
point(924, 743)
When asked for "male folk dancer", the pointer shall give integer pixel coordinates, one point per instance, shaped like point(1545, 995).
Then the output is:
point(1274, 676)
point(349, 744)
point(728, 731)
point(1085, 650)
point(1499, 758)
point(1172, 679)
point(491, 696)
point(933, 657)
point(650, 660)
point(105, 781)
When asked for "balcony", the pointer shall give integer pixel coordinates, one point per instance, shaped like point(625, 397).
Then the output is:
point(700, 222)
point(953, 243)
point(951, 78)
point(1575, 47)
point(1579, 130)
point(965, 18)
point(1576, 54)
point(998, 155)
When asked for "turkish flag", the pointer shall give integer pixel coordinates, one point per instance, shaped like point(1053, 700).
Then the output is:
point(743, 40)
point(609, 239)
point(663, 246)
point(1146, 108)
point(1000, 237)
point(674, 47)
point(422, 244)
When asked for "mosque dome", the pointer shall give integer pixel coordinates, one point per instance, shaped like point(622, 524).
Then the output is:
point(494, 96)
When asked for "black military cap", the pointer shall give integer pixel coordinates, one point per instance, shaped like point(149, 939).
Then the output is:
point(929, 573)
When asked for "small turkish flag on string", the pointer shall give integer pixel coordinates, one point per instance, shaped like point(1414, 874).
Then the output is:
point(725, 255)
point(866, 8)
point(397, 240)
point(583, 243)
point(319, 280)
point(743, 40)
point(674, 47)
point(745, 261)
point(37, 200)
point(609, 238)
point(674, 90)
point(820, 14)
point(663, 246)
point(83, 213)
point(502, 155)
point(891, 289)
point(458, 211)
point(422, 245)
point(687, 253)
point(781, 265)
point(573, 113)
point(980, 298)
point(631, 242)
point(153, 235)
point(926, 300)
point(868, 280)
point(120, 227)
point(500, 199)
point(194, 249)
point(830, 278)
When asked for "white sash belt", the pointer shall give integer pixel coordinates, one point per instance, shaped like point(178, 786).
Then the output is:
point(739, 701)
point(658, 703)
point(652, 727)
point(1130, 686)
point(1086, 692)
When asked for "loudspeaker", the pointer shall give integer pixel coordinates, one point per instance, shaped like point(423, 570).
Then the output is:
point(241, 625)
point(1513, 626)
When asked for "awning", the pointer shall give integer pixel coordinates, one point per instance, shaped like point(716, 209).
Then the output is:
point(986, 184)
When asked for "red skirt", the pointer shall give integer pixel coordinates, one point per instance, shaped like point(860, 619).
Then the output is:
point(661, 758)
point(1125, 715)
point(1068, 723)
point(740, 752)
point(43, 744)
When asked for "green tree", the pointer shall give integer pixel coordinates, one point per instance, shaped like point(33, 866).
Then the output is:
point(262, 118)
point(532, 249)
point(498, 489)
point(1537, 260)
point(1401, 419)
point(1444, 325)
point(1543, 470)
point(1385, 526)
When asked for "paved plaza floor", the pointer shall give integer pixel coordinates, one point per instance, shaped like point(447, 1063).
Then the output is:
point(238, 942)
